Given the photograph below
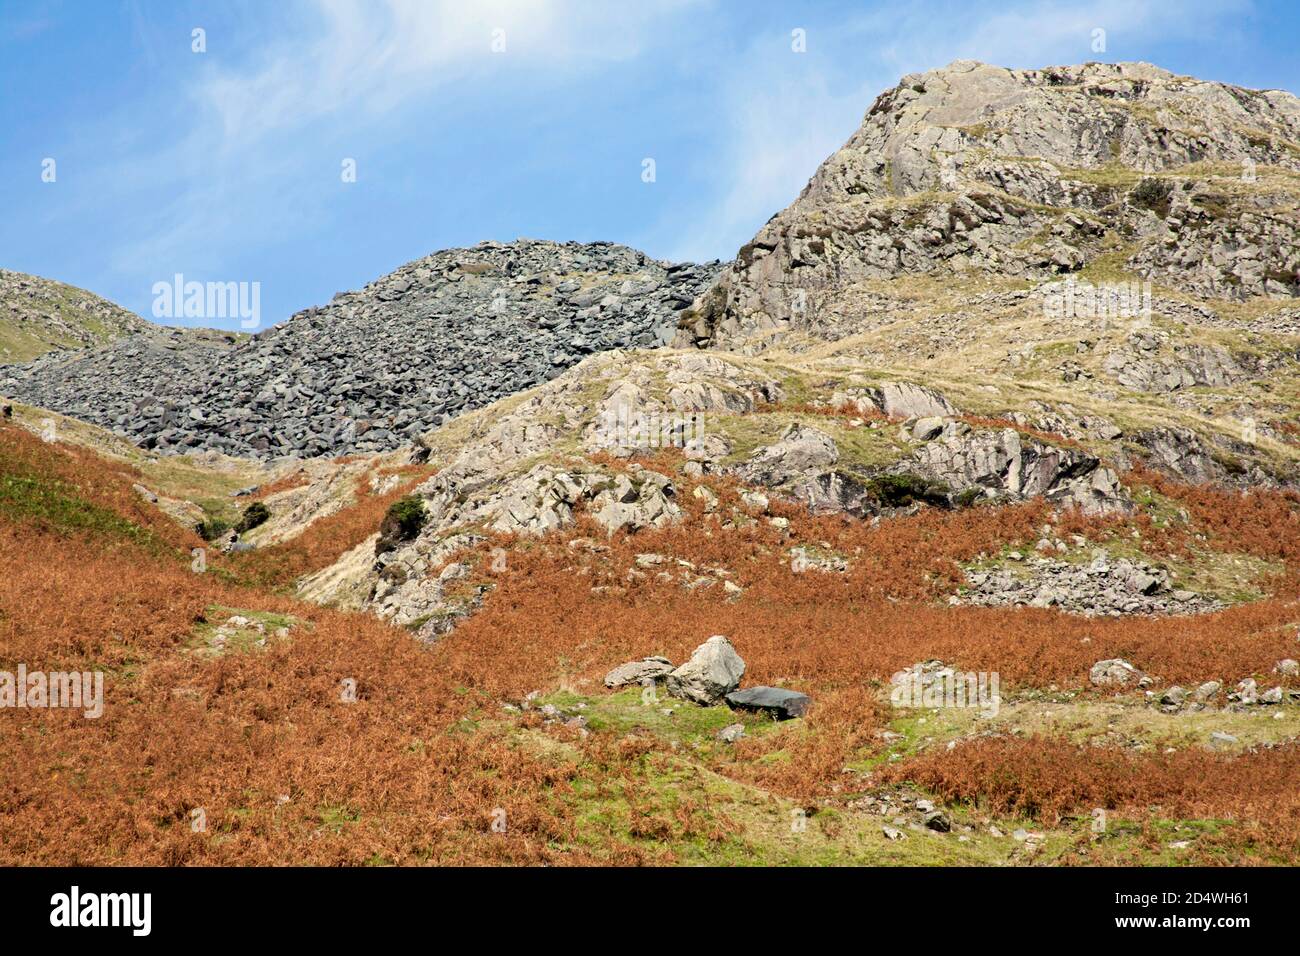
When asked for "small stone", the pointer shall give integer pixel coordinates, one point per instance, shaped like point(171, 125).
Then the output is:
point(731, 733)
point(938, 821)
point(146, 494)
point(1115, 672)
point(1174, 696)
point(1207, 690)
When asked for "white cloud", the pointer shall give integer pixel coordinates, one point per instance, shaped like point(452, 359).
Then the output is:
point(777, 137)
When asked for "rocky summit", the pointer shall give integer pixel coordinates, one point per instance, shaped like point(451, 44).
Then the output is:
point(978, 172)
point(378, 367)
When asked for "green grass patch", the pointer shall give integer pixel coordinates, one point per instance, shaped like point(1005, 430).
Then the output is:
point(55, 504)
point(214, 635)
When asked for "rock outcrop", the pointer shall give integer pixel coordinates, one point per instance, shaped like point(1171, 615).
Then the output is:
point(1101, 587)
point(1004, 463)
point(976, 169)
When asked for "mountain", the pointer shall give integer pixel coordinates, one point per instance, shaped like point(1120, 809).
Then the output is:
point(40, 315)
point(975, 173)
point(374, 368)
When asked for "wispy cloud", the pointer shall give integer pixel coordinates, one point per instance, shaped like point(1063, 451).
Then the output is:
point(373, 55)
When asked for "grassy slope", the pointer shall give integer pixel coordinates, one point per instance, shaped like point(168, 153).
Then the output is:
point(36, 333)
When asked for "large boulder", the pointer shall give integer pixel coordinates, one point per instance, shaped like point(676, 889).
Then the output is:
point(907, 400)
point(780, 703)
point(635, 672)
point(714, 670)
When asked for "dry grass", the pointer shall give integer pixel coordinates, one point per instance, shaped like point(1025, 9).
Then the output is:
point(412, 772)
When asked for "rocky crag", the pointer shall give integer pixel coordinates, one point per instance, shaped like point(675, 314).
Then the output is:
point(978, 171)
point(944, 318)
point(1007, 285)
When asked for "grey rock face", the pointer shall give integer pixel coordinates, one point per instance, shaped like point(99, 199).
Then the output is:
point(1100, 588)
point(1020, 467)
point(1180, 452)
point(800, 450)
point(780, 703)
point(951, 169)
point(906, 400)
point(1149, 363)
point(714, 670)
point(375, 368)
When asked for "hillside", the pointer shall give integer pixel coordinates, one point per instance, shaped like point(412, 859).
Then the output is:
point(996, 181)
point(578, 594)
point(507, 716)
point(40, 315)
point(1106, 252)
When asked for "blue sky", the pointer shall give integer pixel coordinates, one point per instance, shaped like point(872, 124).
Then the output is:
point(226, 165)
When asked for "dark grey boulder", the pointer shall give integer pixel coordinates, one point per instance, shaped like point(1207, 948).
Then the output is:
point(782, 704)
